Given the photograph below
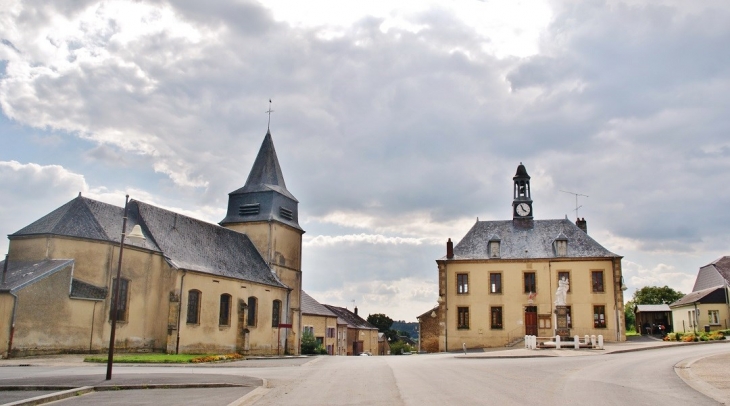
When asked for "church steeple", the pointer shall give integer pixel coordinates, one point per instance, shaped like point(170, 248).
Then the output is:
point(268, 214)
point(264, 196)
point(266, 172)
point(522, 202)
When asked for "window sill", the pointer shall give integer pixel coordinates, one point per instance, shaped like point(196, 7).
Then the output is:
point(462, 328)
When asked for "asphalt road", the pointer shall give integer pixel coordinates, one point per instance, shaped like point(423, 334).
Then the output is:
point(636, 378)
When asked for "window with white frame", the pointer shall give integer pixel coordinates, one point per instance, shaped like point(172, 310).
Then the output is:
point(714, 316)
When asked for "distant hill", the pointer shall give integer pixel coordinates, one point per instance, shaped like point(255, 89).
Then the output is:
point(410, 328)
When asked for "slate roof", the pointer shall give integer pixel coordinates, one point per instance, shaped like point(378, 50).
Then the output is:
point(81, 217)
point(22, 273)
point(652, 308)
point(83, 290)
point(713, 274)
point(709, 295)
point(186, 243)
point(266, 172)
point(352, 320)
point(313, 307)
point(264, 197)
point(536, 242)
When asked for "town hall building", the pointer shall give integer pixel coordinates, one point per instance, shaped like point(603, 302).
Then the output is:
point(499, 283)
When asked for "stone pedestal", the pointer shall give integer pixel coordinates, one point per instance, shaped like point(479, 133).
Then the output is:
point(561, 322)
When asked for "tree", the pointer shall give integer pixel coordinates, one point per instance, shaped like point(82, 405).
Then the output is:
point(629, 315)
point(656, 295)
point(381, 321)
point(309, 343)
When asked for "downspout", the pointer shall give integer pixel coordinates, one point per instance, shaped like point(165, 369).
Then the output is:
point(12, 322)
point(694, 316)
point(179, 312)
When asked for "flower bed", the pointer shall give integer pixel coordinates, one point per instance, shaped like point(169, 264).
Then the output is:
point(700, 336)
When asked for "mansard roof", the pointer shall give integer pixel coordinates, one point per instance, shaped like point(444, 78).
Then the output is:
point(713, 274)
point(266, 172)
point(534, 242)
point(185, 242)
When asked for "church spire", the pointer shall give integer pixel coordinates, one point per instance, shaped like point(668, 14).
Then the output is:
point(264, 197)
point(266, 170)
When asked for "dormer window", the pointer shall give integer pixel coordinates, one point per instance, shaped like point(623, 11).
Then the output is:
point(494, 248)
point(560, 245)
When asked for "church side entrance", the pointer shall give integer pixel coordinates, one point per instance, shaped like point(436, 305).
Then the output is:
point(531, 320)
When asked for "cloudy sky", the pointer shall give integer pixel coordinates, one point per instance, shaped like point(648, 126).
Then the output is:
point(396, 123)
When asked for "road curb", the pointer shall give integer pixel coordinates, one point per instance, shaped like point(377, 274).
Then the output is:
point(52, 397)
point(683, 369)
point(668, 345)
point(67, 392)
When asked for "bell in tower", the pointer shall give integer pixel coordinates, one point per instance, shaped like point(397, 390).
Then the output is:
point(522, 200)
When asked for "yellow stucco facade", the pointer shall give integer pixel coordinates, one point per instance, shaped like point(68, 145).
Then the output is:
point(325, 330)
point(281, 247)
point(512, 301)
point(59, 323)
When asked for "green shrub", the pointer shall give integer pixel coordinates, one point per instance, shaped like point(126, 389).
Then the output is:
point(309, 343)
point(321, 350)
point(399, 347)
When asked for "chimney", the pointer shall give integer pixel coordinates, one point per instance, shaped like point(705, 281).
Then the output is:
point(449, 249)
point(355, 310)
point(581, 223)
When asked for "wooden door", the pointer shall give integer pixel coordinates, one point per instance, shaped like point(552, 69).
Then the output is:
point(357, 347)
point(531, 320)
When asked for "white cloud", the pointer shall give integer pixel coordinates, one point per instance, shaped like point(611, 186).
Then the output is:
point(328, 240)
point(396, 123)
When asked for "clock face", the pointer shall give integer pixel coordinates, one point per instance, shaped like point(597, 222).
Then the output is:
point(523, 209)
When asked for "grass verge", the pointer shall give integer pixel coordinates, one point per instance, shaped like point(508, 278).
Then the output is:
point(157, 358)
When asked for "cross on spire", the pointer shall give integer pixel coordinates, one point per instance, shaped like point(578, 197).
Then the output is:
point(269, 111)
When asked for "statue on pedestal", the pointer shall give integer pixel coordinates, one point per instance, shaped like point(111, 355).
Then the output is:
point(562, 291)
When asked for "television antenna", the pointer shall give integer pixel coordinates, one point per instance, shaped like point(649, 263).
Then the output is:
point(576, 200)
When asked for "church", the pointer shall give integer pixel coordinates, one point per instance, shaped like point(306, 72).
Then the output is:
point(185, 285)
point(499, 283)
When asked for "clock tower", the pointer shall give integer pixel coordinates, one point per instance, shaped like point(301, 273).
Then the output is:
point(522, 202)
